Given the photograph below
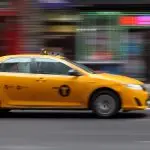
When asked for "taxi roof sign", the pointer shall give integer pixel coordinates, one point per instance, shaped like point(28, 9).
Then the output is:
point(49, 52)
point(44, 52)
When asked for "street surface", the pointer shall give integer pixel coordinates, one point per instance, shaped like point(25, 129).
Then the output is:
point(54, 130)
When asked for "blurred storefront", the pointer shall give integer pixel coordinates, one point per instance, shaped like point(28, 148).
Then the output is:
point(114, 39)
point(60, 32)
point(98, 37)
point(9, 27)
point(136, 26)
point(104, 35)
point(60, 22)
point(19, 31)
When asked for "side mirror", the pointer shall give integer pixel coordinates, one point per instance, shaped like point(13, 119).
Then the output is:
point(73, 72)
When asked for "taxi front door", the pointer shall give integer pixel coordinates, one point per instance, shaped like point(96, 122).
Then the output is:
point(55, 88)
point(61, 91)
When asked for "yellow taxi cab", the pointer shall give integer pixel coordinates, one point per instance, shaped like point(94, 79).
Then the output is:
point(42, 81)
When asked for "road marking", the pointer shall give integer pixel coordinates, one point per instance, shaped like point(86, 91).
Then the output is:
point(26, 147)
point(144, 142)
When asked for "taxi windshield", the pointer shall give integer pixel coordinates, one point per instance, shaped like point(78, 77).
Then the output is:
point(85, 68)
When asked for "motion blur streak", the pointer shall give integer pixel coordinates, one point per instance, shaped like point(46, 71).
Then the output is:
point(109, 36)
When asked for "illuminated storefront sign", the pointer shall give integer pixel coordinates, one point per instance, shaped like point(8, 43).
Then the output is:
point(62, 28)
point(86, 2)
point(54, 4)
point(135, 20)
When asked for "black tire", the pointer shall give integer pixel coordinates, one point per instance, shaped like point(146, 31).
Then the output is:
point(4, 110)
point(105, 104)
point(126, 111)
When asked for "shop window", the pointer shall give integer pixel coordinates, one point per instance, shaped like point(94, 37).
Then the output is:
point(102, 21)
point(98, 39)
point(98, 45)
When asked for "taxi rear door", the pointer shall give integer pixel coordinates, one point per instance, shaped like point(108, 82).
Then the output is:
point(17, 82)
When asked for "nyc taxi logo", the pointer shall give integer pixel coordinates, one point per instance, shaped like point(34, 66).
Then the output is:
point(64, 90)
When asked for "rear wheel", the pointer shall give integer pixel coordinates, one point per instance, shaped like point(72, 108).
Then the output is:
point(4, 110)
point(105, 104)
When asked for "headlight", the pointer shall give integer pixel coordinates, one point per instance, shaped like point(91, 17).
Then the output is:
point(134, 86)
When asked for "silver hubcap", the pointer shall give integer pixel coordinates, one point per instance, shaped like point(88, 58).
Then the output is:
point(105, 104)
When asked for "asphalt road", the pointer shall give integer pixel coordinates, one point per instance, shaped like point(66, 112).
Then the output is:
point(74, 131)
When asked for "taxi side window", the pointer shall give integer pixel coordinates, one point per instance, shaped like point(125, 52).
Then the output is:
point(20, 65)
point(51, 66)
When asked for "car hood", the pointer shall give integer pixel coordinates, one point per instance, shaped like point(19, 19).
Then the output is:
point(117, 78)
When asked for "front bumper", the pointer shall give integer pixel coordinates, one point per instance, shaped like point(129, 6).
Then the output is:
point(135, 99)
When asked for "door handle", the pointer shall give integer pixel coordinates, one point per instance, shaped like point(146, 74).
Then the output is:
point(8, 86)
point(41, 79)
point(18, 87)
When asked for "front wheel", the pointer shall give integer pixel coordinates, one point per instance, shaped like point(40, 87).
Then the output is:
point(105, 104)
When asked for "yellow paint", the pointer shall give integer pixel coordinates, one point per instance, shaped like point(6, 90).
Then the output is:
point(44, 93)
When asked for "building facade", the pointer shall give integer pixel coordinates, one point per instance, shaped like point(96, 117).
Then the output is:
point(19, 26)
point(9, 26)
point(105, 35)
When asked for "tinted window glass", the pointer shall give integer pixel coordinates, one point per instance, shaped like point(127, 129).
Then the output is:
point(85, 68)
point(51, 66)
point(1, 67)
point(21, 65)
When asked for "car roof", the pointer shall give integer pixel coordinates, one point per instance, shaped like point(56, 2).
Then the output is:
point(32, 55)
point(57, 57)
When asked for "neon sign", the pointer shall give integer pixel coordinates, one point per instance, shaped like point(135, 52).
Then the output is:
point(134, 20)
point(53, 4)
point(53, 1)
